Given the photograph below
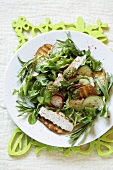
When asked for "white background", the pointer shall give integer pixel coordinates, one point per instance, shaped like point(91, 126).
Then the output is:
point(36, 11)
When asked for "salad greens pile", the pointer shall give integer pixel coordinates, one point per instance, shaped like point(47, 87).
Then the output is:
point(37, 87)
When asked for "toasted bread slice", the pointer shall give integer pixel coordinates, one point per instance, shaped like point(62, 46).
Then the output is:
point(58, 119)
point(87, 90)
point(101, 75)
point(52, 126)
point(76, 103)
point(43, 50)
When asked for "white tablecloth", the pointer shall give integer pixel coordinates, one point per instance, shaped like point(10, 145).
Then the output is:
point(36, 11)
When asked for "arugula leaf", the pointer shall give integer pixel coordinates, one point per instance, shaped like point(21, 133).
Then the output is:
point(63, 61)
point(38, 67)
point(42, 79)
point(69, 47)
point(49, 68)
point(94, 64)
point(36, 85)
point(21, 92)
point(40, 99)
point(34, 91)
point(89, 114)
point(52, 66)
point(32, 119)
point(55, 57)
point(64, 83)
point(71, 113)
point(47, 96)
point(53, 75)
point(60, 59)
point(32, 94)
point(88, 53)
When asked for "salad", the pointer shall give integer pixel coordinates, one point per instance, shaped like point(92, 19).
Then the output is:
point(63, 87)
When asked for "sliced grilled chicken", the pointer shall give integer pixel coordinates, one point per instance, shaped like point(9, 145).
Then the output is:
point(43, 50)
point(76, 103)
point(51, 126)
point(77, 62)
point(58, 80)
point(71, 70)
point(57, 118)
point(87, 90)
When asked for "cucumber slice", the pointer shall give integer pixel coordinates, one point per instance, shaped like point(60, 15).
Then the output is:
point(85, 71)
point(93, 101)
point(84, 81)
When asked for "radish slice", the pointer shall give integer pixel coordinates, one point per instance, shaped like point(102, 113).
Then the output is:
point(57, 100)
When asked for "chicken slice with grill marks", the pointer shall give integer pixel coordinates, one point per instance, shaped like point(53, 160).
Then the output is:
point(58, 80)
point(57, 119)
point(71, 70)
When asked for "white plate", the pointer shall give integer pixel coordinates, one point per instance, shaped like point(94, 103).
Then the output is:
point(38, 131)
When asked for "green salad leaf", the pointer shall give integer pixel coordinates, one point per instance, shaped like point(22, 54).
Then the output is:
point(94, 64)
point(68, 47)
point(32, 119)
point(42, 79)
